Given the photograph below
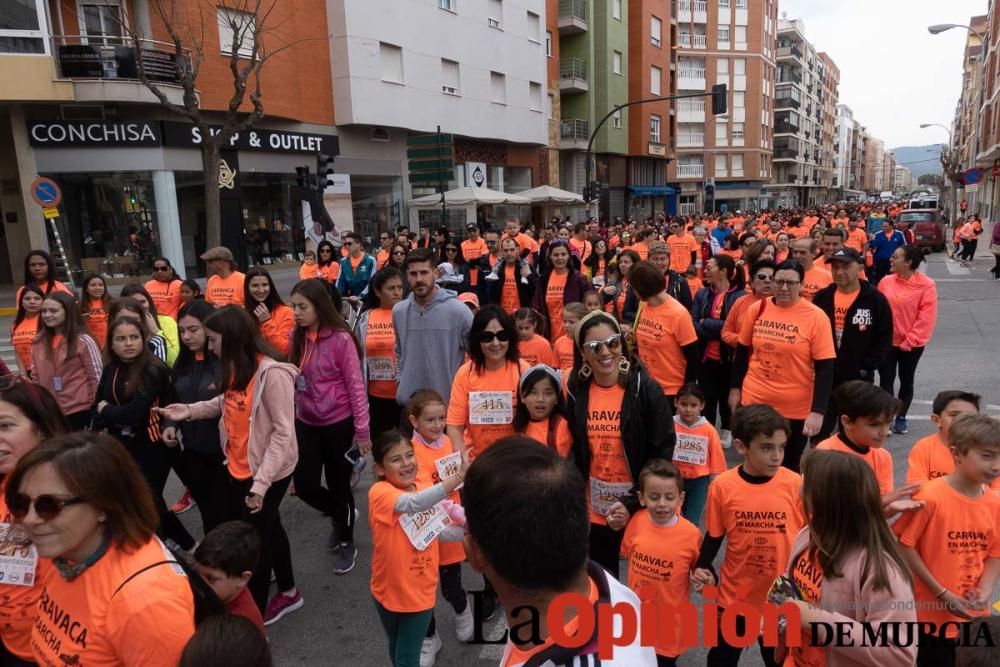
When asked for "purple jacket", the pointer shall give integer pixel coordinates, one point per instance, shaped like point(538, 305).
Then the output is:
point(332, 387)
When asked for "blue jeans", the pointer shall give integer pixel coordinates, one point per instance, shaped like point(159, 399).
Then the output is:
point(695, 496)
point(405, 632)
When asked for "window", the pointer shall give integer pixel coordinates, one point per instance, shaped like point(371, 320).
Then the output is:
point(740, 66)
point(741, 34)
point(535, 95)
point(534, 26)
point(723, 4)
point(616, 9)
point(447, 4)
point(656, 31)
point(722, 65)
point(616, 62)
point(723, 34)
point(741, 4)
point(654, 79)
point(548, 43)
point(720, 165)
point(103, 19)
point(739, 101)
point(737, 134)
point(737, 164)
point(237, 28)
point(391, 58)
point(498, 87)
point(654, 129)
point(23, 30)
point(494, 14)
point(720, 133)
point(616, 120)
point(449, 77)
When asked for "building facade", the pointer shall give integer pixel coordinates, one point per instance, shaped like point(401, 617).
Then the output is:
point(903, 181)
point(975, 135)
point(846, 174)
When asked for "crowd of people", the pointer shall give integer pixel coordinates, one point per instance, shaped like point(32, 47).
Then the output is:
point(548, 405)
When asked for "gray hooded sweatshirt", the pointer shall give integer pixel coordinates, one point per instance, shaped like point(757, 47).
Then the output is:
point(430, 343)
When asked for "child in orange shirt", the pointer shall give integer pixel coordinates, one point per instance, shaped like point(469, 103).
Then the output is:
point(225, 559)
point(698, 453)
point(563, 346)
point(661, 548)
point(436, 460)
point(592, 300)
point(309, 268)
point(930, 457)
point(865, 412)
point(541, 412)
point(405, 524)
point(952, 544)
point(532, 345)
point(95, 303)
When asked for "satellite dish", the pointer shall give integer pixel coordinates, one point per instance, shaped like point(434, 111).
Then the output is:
point(784, 15)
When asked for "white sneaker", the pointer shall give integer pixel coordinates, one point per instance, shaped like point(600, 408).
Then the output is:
point(492, 275)
point(464, 625)
point(429, 650)
point(727, 438)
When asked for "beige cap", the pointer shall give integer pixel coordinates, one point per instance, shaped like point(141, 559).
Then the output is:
point(218, 252)
point(658, 247)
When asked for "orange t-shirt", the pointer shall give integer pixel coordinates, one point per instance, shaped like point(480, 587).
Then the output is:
point(221, 291)
point(698, 451)
point(472, 251)
point(166, 296)
point(808, 576)
point(57, 286)
point(610, 477)
point(536, 351)
point(734, 321)
point(878, 459)
point(760, 522)
point(381, 258)
point(815, 279)
point(307, 271)
point(661, 333)
point(277, 331)
point(785, 343)
point(694, 283)
point(563, 347)
point(841, 304)
point(483, 401)
point(540, 431)
point(930, 458)
point(380, 353)
point(22, 336)
point(642, 249)
point(330, 272)
point(95, 317)
point(427, 475)
point(581, 249)
point(403, 579)
point(662, 558)
point(681, 248)
point(857, 238)
point(554, 303)
point(516, 656)
point(799, 232)
point(954, 535)
point(148, 622)
point(510, 300)
point(236, 417)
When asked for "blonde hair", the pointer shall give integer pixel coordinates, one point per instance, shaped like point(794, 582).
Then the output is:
point(974, 430)
point(576, 308)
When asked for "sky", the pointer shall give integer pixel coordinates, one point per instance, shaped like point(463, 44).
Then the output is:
point(894, 75)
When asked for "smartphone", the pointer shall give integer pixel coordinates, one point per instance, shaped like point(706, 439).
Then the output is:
point(353, 455)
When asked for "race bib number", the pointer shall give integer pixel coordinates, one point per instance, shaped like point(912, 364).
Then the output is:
point(18, 557)
point(691, 449)
point(381, 368)
point(605, 494)
point(423, 528)
point(491, 407)
point(449, 466)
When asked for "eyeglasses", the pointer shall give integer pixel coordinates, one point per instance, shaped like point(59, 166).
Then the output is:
point(325, 250)
point(47, 507)
point(787, 284)
point(161, 268)
point(451, 249)
point(398, 252)
point(488, 336)
point(764, 277)
point(613, 342)
point(348, 244)
point(383, 238)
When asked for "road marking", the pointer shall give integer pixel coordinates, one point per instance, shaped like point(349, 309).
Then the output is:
point(956, 269)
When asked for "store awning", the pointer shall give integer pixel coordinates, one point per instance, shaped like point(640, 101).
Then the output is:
point(652, 190)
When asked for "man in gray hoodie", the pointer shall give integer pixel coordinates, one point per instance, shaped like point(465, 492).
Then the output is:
point(432, 327)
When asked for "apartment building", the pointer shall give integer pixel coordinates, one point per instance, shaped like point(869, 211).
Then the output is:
point(131, 173)
point(846, 174)
point(732, 42)
point(806, 95)
point(977, 114)
point(903, 181)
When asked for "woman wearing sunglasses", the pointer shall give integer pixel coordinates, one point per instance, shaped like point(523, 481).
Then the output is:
point(328, 261)
point(761, 277)
point(561, 284)
point(784, 358)
point(453, 271)
point(165, 288)
point(484, 392)
point(28, 415)
point(117, 596)
point(620, 420)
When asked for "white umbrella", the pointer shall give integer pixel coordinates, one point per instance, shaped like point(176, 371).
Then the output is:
point(469, 196)
point(546, 194)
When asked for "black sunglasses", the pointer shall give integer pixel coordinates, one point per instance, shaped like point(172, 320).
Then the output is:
point(161, 268)
point(47, 507)
point(488, 336)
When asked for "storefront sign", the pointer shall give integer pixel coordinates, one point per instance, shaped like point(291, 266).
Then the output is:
point(475, 174)
point(274, 141)
point(61, 134)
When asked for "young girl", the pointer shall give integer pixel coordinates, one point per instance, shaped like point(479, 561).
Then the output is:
point(65, 359)
point(164, 325)
point(190, 290)
point(378, 337)
point(25, 327)
point(563, 347)
point(698, 453)
point(437, 460)
point(265, 305)
point(404, 576)
point(95, 302)
point(541, 411)
point(132, 309)
point(309, 268)
point(592, 300)
point(533, 347)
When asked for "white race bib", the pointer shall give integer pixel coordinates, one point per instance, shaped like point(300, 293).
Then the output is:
point(491, 407)
point(423, 528)
point(18, 557)
point(691, 449)
point(381, 368)
point(605, 494)
point(449, 466)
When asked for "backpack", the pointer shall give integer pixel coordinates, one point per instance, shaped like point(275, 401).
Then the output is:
point(206, 602)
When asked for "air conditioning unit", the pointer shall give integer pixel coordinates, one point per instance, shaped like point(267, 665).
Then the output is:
point(493, 23)
point(450, 90)
point(379, 134)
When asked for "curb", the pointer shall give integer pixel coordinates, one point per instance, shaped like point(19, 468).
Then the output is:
point(8, 312)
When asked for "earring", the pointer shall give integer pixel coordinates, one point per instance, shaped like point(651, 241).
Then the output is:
point(584, 371)
point(102, 518)
point(624, 365)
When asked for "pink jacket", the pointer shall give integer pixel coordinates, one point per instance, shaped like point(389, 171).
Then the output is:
point(78, 377)
point(849, 599)
point(273, 449)
point(333, 387)
point(914, 309)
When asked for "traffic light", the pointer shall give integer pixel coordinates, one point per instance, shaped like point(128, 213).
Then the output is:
point(324, 170)
point(302, 177)
point(586, 193)
point(719, 97)
point(709, 190)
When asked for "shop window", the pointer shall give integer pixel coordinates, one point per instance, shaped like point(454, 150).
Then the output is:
point(236, 28)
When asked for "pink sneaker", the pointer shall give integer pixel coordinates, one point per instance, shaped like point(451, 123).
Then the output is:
point(282, 604)
point(183, 504)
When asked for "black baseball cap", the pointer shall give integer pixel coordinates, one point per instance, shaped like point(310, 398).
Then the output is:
point(846, 255)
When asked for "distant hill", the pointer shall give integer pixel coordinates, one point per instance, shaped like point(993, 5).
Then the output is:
point(919, 160)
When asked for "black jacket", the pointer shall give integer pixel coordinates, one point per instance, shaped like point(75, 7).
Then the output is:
point(677, 287)
point(708, 328)
point(867, 334)
point(647, 426)
point(193, 382)
point(129, 417)
point(493, 289)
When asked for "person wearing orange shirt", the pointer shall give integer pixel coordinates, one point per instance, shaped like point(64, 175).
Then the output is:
point(95, 305)
point(814, 278)
point(698, 453)
point(541, 412)
point(532, 347)
point(952, 544)
point(474, 248)
point(528, 246)
point(684, 248)
point(756, 508)
point(225, 283)
point(579, 245)
point(40, 270)
point(25, 327)
point(165, 288)
point(857, 237)
point(563, 347)
point(377, 336)
point(262, 301)
point(761, 277)
point(511, 283)
point(328, 262)
point(309, 268)
point(385, 240)
point(562, 284)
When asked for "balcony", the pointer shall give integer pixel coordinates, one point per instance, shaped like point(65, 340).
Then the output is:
point(690, 170)
point(690, 140)
point(695, 11)
point(572, 17)
point(107, 69)
point(785, 154)
point(573, 76)
point(691, 78)
point(691, 111)
point(787, 102)
point(688, 41)
point(789, 76)
point(789, 51)
point(574, 134)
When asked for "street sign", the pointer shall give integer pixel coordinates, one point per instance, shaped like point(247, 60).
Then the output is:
point(429, 140)
point(46, 192)
point(972, 176)
point(972, 187)
point(50, 213)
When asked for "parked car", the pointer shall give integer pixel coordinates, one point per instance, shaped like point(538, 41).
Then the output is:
point(928, 230)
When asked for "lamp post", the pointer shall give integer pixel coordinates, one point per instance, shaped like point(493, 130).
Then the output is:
point(948, 181)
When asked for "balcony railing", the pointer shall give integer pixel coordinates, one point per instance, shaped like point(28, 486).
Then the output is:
point(690, 139)
point(573, 68)
point(572, 16)
point(689, 41)
point(690, 170)
point(576, 129)
point(691, 73)
point(89, 57)
point(691, 106)
point(786, 103)
point(790, 50)
point(785, 153)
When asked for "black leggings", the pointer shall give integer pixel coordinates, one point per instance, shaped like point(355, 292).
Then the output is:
point(713, 376)
point(322, 448)
point(996, 266)
point(605, 547)
point(206, 477)
point(907, 368)
point(383, 414)
point(724, 655)
point(155, 460)
point(452, 590)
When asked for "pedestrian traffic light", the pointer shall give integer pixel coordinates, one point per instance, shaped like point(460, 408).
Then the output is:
point(302, 177)
point(719, 96)
point(710, 190)
point(324, 170)
point(586, 193)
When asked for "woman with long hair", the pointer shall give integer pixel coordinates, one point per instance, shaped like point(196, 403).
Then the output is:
point(562, 284)
point(164, 325)
point(95, 303)
point(377, 337)
point(264, 304)
point(328, 260)
point(40, 270)
point(331, 413)
point(25, 327)
point(453, 271)
point(397, 255)
point(616, 293)
point(132, 309)
point(65, 359)
point(165, 288)
point(596, 265)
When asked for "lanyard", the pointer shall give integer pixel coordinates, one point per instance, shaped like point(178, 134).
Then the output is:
point(308, 351)
point(114, 383)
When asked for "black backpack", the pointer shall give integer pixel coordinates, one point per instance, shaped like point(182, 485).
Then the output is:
point(206, 602)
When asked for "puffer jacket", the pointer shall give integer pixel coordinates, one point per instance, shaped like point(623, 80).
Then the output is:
point(914, 309)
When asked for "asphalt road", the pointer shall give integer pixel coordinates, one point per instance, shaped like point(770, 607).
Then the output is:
point(338, 624)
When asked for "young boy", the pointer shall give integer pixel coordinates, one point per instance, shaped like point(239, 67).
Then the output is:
point(952, 544)
point(698, 453)
point(931, 458)
point(661, 548)
point(865, 412)
point(563, 346)
point(756, 506)
point(309, 268)
point(225, 559)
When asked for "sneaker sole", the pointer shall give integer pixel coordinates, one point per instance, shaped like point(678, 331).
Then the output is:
point(354, 562)
point(287, 610)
